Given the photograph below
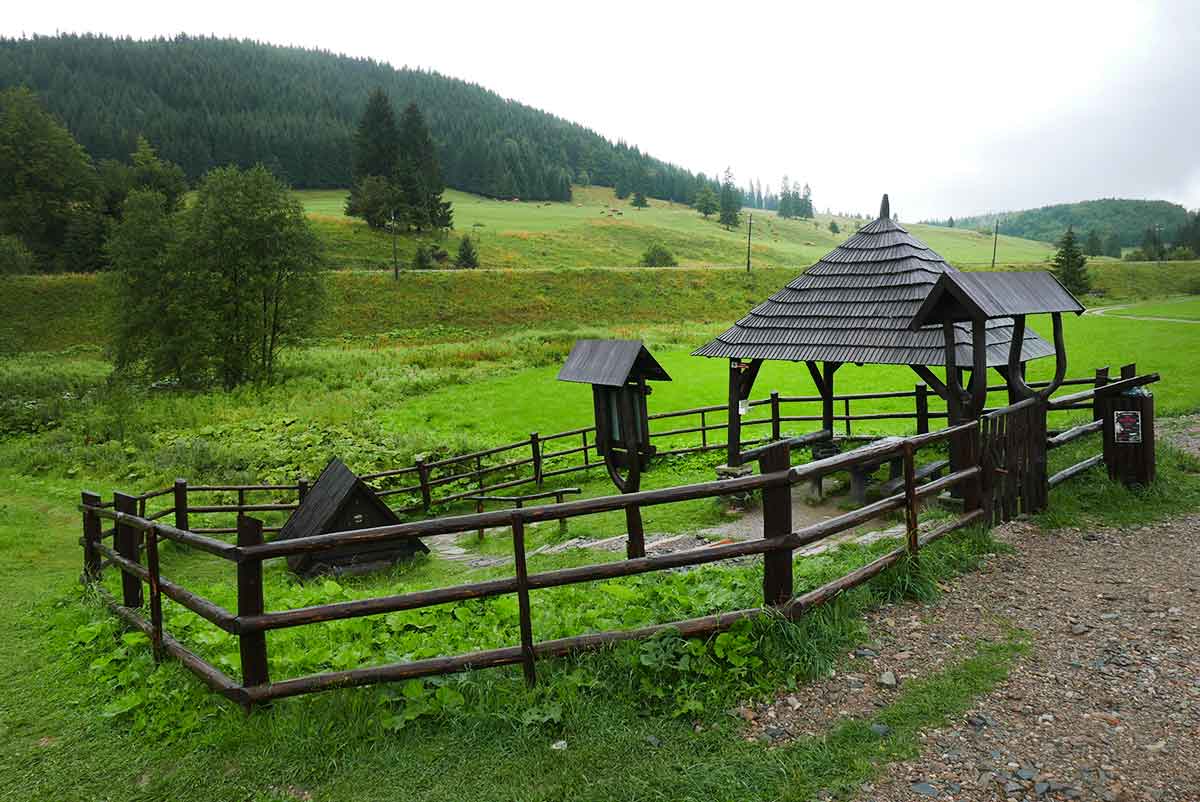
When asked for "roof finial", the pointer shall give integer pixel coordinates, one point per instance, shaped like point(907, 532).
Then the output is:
point(885, 211)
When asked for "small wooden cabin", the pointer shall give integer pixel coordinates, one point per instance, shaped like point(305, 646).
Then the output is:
point(337, 502)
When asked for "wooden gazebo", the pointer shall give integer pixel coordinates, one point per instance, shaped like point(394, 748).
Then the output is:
point(855, 305)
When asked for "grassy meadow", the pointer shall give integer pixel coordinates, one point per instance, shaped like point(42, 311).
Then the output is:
point(595, 229)
point(1187, 308)
point(440, 363)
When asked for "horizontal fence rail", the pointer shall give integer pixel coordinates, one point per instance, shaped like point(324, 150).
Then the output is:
point(252, 619)
point(130, 544)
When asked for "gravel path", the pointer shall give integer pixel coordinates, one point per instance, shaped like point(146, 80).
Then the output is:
point(1106, 706)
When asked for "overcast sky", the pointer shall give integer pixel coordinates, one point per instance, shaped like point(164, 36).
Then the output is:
point(951, 107)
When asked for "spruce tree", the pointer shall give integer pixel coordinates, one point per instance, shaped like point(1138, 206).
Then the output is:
point(467, 255)
point(376, 142)
point(1070, 265)
point(706, 201)
point(833, 227)
point(639, 200)
point(420, 175)
point(1093, 246)
point(731, 206)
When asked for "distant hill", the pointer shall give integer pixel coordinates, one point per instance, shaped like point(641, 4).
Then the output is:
point(205, 102)
point(1128, 218)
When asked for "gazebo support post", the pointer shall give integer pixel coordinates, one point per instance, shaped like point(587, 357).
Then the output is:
point(741, 382)
point(823, 379)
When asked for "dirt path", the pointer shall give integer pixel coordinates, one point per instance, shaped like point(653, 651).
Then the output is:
point(1106, 705)
point(1102, 311)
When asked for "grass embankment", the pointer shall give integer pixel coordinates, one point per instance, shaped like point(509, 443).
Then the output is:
point(51, 313)
point(595, 229)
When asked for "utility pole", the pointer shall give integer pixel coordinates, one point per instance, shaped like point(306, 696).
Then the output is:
point(395, 262)
point(995, 237)
point(749, 230)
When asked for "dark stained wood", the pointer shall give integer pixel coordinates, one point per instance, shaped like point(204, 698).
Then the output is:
point(1132, 464)
point(126, 542)
point(180, 489)
point(526, 620)
point(1100, 380)
point(92, 534)
point(423, 476)
point(777, 522)
point(156, 619)
point(252, 645)
point(910, 501)
point(921, 394)
point(535, 448)
point(1124, 383)
point(775, 430)
point(635, 545)
point(828, 369)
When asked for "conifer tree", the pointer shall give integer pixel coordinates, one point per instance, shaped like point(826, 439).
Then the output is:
point(467, 255)
point(639, 200)
point(1070, 265)
point(420, 176)
point(1112, 245)
point(833, 227)
point(706, 201)
point(730, 202)
point(376, 142)
point(1093, 246)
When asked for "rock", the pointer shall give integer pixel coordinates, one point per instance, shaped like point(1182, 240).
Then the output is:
point(1026, 773)
point(1079, 629)
point(924, 789)
point(1013, 788)
point(863, 651)
point(854, 682)
point(888, 679)
point(1109, 616)
point(558, 745)
point(1041, 788)
point(1157, 746)
point(882, 730)
point(793, 703)
point(653, 741)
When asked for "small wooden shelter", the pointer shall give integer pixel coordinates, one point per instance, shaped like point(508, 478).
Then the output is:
point(854, 306)
point(978, 298)
point(337, 502)
point(618, 371)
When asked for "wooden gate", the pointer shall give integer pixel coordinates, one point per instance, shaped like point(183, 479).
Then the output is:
point(1012, 448)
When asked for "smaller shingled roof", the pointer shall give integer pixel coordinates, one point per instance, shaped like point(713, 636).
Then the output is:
point(959, 297)
point(610, 363)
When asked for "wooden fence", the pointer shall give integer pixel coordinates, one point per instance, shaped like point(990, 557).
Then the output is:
point(539, 457)
point(135, 535)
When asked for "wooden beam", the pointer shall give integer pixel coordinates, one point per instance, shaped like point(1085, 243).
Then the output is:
point(930, 378)
point(815, 372)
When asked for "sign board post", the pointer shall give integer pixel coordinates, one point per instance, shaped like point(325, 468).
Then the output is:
point(1129, 436)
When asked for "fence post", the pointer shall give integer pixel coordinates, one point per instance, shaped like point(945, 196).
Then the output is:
point(301, 490)
point(181, 505)
point(125, 543)
point(910, 502)
point(423, 480)
point(777, 522)
point(846, 408)
point(252, 645)
point(585, 448)
point(922, 396)
point(1129, 371)
point(156, 624)
point(526, 622)
point(703, 430)
point(1100, 381)
point(92, 530)
point(536, 447)
point(775, 434)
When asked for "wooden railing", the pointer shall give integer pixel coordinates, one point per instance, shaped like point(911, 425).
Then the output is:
point(533, 460)
point(250, 622)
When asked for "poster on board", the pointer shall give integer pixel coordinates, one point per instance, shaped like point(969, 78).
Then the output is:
point(1128, 428)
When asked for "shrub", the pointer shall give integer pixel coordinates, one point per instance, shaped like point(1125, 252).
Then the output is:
point(467, 255)
point(422, 258)
point(15, 258)
point(657, 255)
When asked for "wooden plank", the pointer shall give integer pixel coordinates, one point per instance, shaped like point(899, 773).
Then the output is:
point(156, 619)
point(1074, 433)
point(92, 535)
point(910, 501)
point(777, 522)
point(252, 645)
point(525, 617)
point(126, 543)
point(1075, 470)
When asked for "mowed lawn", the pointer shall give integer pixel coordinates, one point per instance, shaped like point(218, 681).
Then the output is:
point(595, 229)
point(1178, 308)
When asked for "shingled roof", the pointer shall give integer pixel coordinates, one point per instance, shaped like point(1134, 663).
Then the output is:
point(855, 305)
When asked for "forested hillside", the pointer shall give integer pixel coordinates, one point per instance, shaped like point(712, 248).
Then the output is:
point(1128, 219)
point(205, 102)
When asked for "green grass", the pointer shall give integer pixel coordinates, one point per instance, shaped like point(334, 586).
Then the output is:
point(1179, 308)
point(589, 232)
point(51, 313)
